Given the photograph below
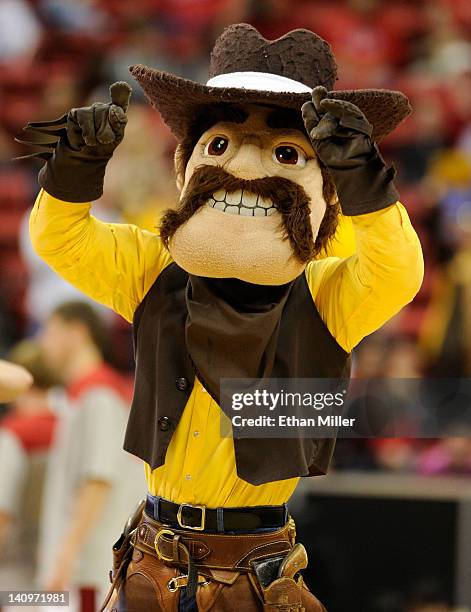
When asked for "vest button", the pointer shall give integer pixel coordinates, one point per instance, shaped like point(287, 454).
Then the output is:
point(164, 423)
point(182, 383)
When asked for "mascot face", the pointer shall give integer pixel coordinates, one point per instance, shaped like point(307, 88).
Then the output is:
point(251, 200)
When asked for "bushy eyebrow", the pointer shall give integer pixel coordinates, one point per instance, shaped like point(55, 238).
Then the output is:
point(220, 113)
point(285, 119)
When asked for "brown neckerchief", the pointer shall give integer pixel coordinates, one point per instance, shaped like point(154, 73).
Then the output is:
point(232, 328)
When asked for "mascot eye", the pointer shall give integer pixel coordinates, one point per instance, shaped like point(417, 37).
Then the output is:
point(216, 146)
point(289, 155)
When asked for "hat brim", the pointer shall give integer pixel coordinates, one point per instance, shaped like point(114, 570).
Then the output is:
point(180, 100)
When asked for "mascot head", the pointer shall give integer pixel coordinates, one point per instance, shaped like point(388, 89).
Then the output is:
point(255, 202)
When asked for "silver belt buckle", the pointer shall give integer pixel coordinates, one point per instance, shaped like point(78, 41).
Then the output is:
point(199, 527)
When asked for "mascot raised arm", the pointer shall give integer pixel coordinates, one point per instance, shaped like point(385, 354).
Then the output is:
point(232, 287)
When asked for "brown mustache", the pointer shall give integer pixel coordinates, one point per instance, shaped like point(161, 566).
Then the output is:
point(290, 200)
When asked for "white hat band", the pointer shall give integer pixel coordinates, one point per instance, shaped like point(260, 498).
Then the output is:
point(258, 81)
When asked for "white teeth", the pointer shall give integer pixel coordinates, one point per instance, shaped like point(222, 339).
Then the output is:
point(264, 202)
point(233, 198)
point(219, 195)
point(249, 199)
point(245, 204)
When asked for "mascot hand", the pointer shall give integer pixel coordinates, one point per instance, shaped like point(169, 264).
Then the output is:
point(341, 137)
point(78, 146)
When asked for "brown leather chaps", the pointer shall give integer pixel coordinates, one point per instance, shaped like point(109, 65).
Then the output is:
point(154, 565)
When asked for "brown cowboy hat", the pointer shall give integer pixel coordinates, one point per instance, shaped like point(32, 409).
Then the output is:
point(246, 68)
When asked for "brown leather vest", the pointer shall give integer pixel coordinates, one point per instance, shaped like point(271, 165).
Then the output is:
point(165, 375)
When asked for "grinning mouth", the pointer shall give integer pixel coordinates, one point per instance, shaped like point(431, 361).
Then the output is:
point(241, 202)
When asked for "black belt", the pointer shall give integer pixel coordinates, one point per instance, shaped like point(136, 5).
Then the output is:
point(219, 520)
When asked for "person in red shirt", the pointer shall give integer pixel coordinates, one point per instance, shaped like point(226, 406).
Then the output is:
point(91, 484)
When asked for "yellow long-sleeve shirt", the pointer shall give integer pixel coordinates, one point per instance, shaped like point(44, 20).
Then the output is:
point(116, 264)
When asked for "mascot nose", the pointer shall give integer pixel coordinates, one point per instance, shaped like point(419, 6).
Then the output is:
point(247, 162)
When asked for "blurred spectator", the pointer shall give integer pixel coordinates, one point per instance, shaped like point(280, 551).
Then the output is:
point(25, 437)
point(92, 484)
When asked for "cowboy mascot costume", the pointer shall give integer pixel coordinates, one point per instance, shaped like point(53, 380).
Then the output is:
point(233, 286)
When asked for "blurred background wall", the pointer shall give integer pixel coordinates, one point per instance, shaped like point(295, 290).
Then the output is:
point(56, 54)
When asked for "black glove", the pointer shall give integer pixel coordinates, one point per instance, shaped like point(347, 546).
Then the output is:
point(78, 145)
point(341, 136)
